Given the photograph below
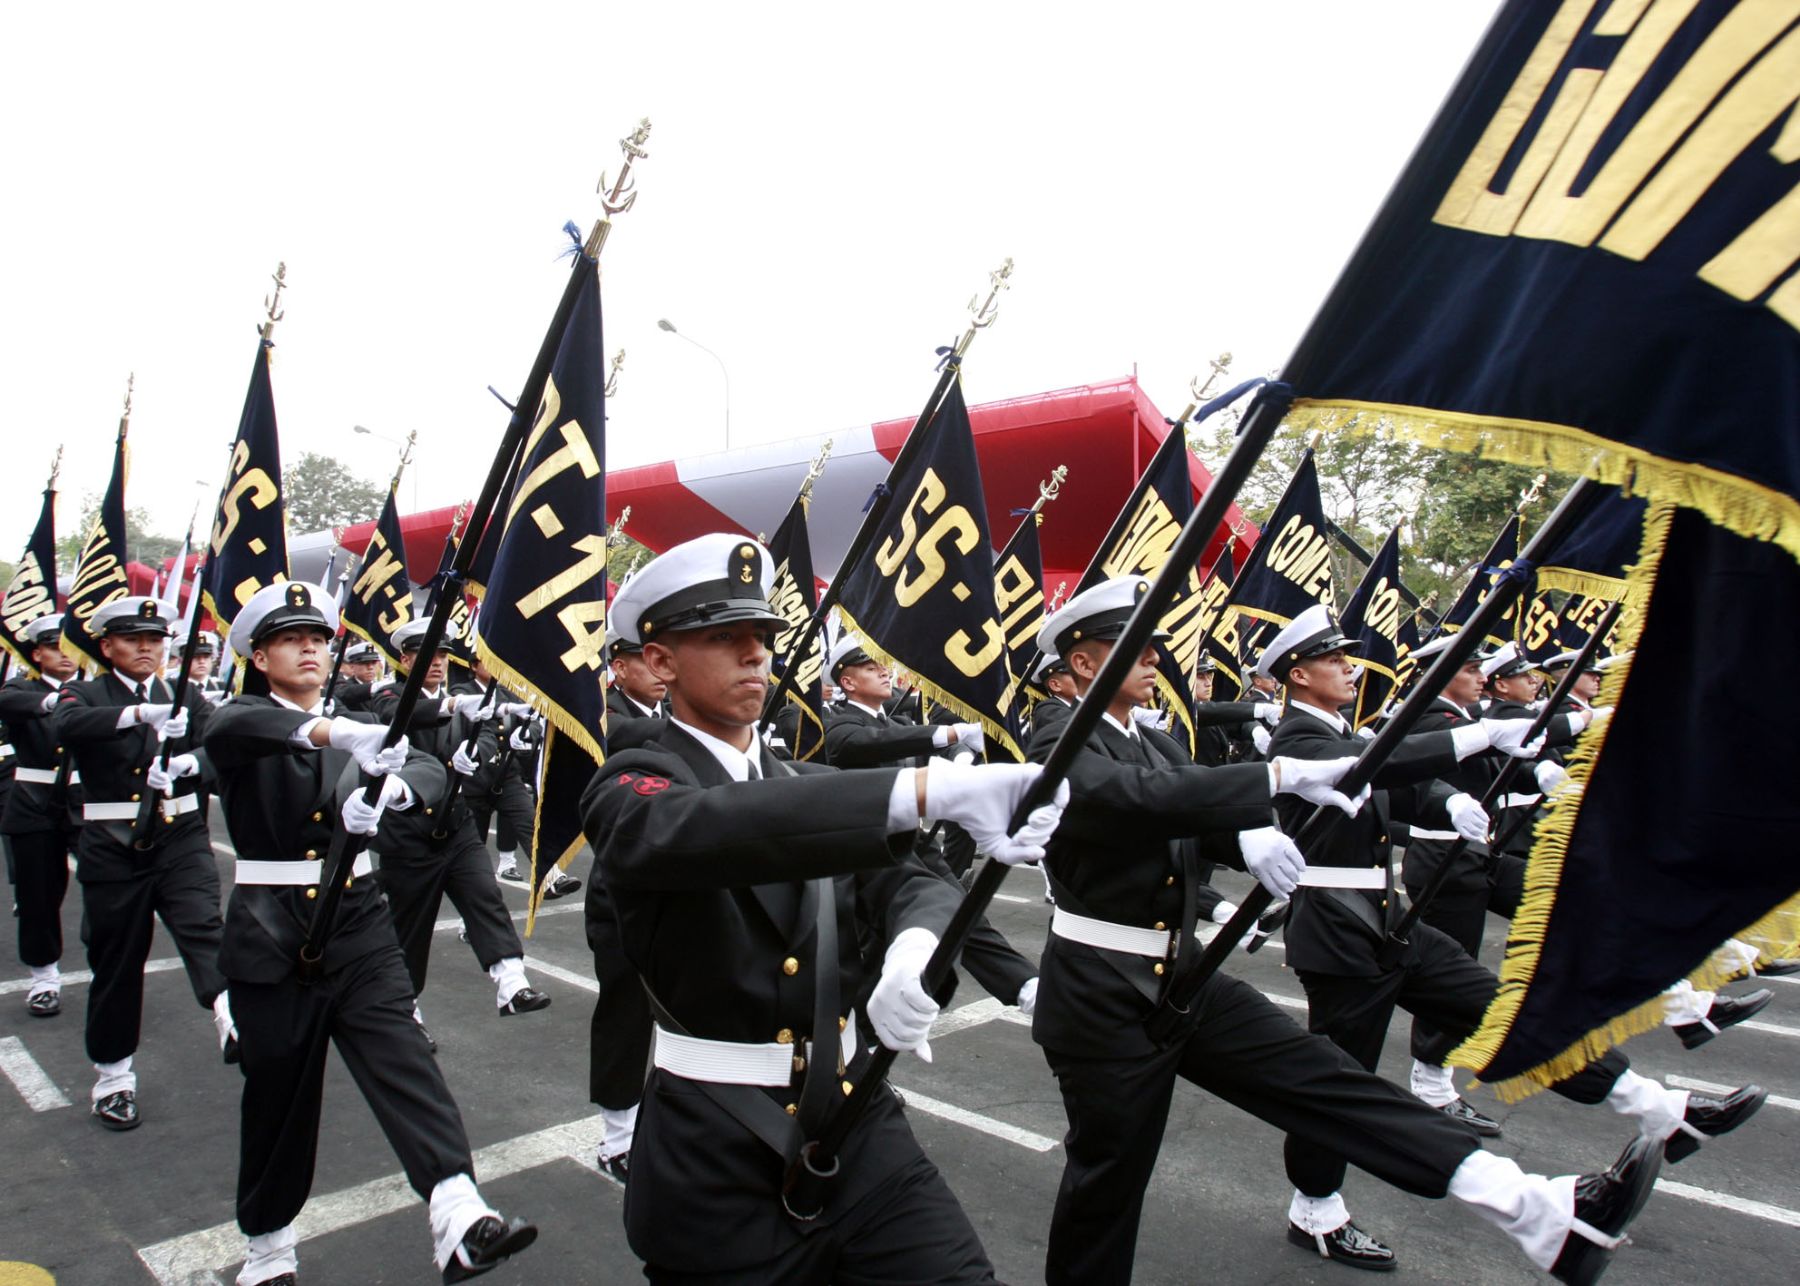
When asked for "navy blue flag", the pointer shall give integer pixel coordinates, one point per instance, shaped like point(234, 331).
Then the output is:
point(248, 547)
point(1219, 629)
point(31, 592)
point(100, 574)
point(1406, 660)
point(924, 601)
point(796, 596)
point(459, 628)
point(1589, 266)
point(1500, 555)
point(1373, 617)
point(1289, 567)
point(1138, 545)
point(380, 598)
point(542, 626)
point(1538, 639)
point(1019, 598)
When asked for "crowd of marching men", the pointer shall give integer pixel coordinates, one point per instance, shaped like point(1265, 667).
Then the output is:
point(761, 924)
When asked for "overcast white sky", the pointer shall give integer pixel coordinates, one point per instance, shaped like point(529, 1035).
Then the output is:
point(827, 186)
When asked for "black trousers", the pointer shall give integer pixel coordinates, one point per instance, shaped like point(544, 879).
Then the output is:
point(1436, 981)
point(516, 808)
point(1249, 1053)
point(1460, 911)
point(284, 1031)
point(989, 958)
point(907, 1231)
point(461, 871)
point(181, 885)
point(40, 877)
point(619, 1033)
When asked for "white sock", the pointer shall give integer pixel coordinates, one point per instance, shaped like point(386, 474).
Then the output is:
point(1737, 958)
point(619, 1125)
point(509, 978)
point(1683, 1005)
point(1222, 913)
point(1435, 1085)
point(45, 978)
point(270, 1255)
point(114, 1078)
point(1656, 1108)
point(223, 1024)
point(455, 1206)
point(508, 858)
point(1534, 1211)
point(418, 1017)
point(1318, 1215)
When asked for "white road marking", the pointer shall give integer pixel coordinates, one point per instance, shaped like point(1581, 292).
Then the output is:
point(1792, 980)
point(548, 970)
point(179, 1260)
point(1725, 1201)
point(34, 1086)
point(1713, 1087)
point(976, 1121)
point(76, 977)
point(1772, 1028)
point(974, 1014)
point(225, 848)
point(1012, 897)
point(443, 926)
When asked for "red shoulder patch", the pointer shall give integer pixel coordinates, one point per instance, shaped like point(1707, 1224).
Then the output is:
point(651, 785)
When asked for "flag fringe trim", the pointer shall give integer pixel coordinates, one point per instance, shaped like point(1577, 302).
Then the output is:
point(381, 646)
point(1738, 504)
point(535, 898)
point(508, 676)
point(1608, 589)
point(1000, 736)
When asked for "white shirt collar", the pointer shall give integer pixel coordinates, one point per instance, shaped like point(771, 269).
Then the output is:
point(650, 712)
point(55, 683)
point(1331, 717)
point(318, 707)
point(1129, 729)
point(875, 711)
point(734, 761)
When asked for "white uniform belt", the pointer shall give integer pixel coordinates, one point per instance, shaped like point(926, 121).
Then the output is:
point(1109, 936)
point(44, 776)
point(1345, 877)
point(250, 871)
point(729, 1062)
point(1447, 836)
point(123, 812)
point(1519, 801)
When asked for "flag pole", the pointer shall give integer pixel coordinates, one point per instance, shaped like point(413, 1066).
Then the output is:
point(981, 315)
point(344, 847)
point(343, 640)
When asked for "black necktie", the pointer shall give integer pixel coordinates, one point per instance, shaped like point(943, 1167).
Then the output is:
point(755, 772)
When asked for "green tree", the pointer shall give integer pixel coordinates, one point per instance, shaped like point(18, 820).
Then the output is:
point(141, 543)
point(625, 556)
point(319, 491)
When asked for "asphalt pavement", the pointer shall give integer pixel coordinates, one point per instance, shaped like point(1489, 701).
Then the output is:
point(156, 1205)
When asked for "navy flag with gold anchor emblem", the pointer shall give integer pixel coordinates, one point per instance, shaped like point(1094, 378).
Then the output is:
point(1289, 568)
point(380, 598)
point(1137, 545)
point(100, 576)
point(1373, 616)
point(1590, 266)
point(248, 547)
point(541, 630)
point(31, 592)
point(796, 596)
point(924, 599)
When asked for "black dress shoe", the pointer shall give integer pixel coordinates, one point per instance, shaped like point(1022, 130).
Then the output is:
point(486, 1245)
point(1777, 968)
point(1713, 1117)
point(44, 1004)
point(1607, 1202)
point(1726, 1011)
point(286, 1279)
point(119, 1111)
point(615, 1167)
point(560, 886)
point(1347, 1244)
point(524, 1001)
point(1462, 1110)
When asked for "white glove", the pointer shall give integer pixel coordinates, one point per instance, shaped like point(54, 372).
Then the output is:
point(365, 819)
point(1508, 737)
point(364, 742)
point(464, 762)
point(174, 727)
point(1027, 1000)
point(520, 739)
point(1268, 712)
point(899, 1009)
point(969, 736)
point(1468, 818)
point(1150, 717)
point(517, 710)
point(1313, 780)
point(49, 702)
point(1259, 737)
point(980, 798)
point(473, 706)
point(161, 779)
point(154, 716)
point(1272, 858)
point(1551, 776)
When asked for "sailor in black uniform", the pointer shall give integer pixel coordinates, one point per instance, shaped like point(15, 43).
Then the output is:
point(286, 775)
point(42, 812)
point(114, 726)
point(738, 882)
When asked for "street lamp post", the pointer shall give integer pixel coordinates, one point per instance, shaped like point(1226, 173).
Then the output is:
point(370, 433)
point(666, 324)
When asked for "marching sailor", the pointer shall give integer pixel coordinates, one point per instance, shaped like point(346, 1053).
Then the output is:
point(739, 883)
point(114, 726)
point(1122, 935)
point(286, 775)
point(42, 812)
point(506, 787)
point(362, 670)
